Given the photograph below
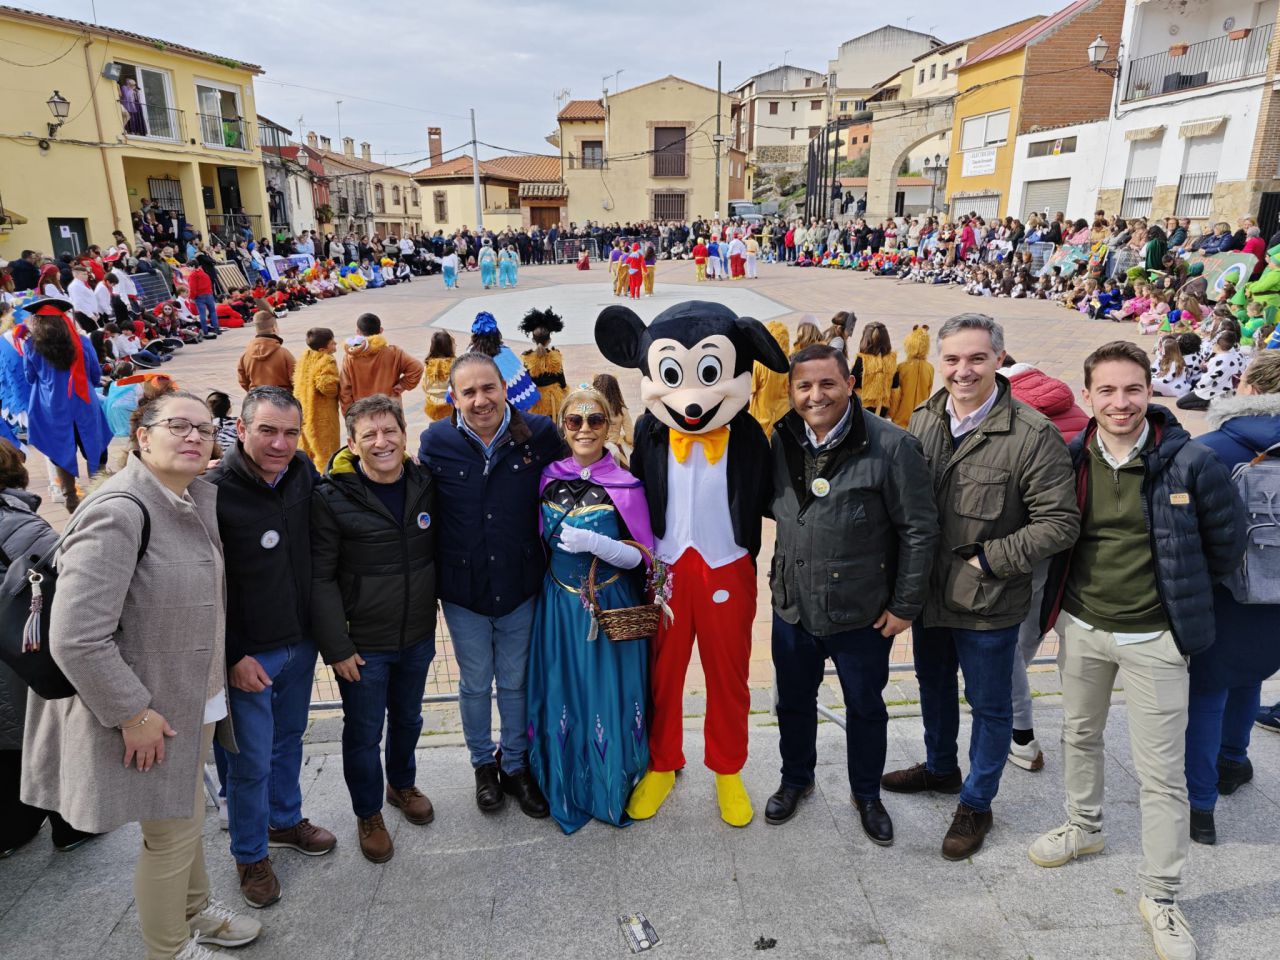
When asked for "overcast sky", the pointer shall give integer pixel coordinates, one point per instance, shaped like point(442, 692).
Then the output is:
point(427, 63)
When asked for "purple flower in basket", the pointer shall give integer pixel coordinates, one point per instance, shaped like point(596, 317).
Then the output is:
point(584, 596)
point(600, 742)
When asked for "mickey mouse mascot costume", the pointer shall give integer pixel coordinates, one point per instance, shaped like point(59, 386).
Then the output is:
point(703, 461)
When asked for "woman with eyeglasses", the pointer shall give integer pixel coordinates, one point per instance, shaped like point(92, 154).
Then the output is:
point(137, 625)
point(587, 695)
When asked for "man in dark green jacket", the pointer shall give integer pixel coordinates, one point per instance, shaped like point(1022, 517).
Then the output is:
point(856, 532)
point(1006, 500)
point(373, 609)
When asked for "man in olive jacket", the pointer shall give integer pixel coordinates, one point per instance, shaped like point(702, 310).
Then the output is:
point(373, 609)
point(856, 533)
point(1006, 500)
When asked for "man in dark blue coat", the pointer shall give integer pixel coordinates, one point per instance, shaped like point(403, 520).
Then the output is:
point(487, 462)
point(1161, 524)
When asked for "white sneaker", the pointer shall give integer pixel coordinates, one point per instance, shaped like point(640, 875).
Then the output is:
point(193, 951)
point(1027, 757)
point(1169, 929)
point(219, 925)
point(224, 815)
point(56, 494)
point(1065, 844)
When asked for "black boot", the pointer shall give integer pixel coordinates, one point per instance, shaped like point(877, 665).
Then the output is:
point(1233, 775)
point(524, 788)
point(1202, 828)
point(782, 805)
point(489, 795)
point(876, 823)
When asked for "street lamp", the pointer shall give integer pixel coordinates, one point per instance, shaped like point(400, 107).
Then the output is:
point(60, 107)
point(1098, 58)
point(937, 171)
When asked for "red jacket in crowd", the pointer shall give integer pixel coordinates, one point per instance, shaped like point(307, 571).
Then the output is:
point(1049, 395)
point(198, 283)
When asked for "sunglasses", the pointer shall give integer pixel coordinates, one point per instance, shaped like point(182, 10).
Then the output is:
point(596, 421)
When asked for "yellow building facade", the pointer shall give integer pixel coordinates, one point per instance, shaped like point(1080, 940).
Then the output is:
point(982, 138)
point(145, 120)
point(648, 153)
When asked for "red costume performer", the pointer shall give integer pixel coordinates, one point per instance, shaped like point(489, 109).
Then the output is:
point(699, 454)
point(635, 271)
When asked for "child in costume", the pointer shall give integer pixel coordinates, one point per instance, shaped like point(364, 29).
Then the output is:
point(914, 376)
point(1170, 375)
point(522, 393)
point(650, 264)
point(875, 371)
point(544, 363)
point(698, 453)
point(620, 427)
point(488, 261)
point(635, 271)
point(770, 390)
point(315, 384)
point(508, 262)
point(435, 377)
point(449, 269)
point(700, 254)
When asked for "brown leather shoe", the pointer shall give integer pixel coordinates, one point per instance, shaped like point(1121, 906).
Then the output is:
point(375, 841)
point(305, 837)
point(258, 883)
point(918, 779)
point(965, 835)
point(413, 803)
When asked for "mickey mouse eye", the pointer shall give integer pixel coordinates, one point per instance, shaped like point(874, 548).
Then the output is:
point(671, 372)
point(709, 370)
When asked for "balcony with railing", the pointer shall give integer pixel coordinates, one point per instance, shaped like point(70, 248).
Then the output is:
point(154, 121)
point(1186, 66)
point(237, 226)
point(229, 132)
point(669, 163)
point(272, 139)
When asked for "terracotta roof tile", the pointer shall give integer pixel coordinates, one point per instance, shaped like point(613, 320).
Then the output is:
point(535, 169)
point(581, 110)
point(81, 26)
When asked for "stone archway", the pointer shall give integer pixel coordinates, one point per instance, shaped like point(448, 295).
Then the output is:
point(899, 127)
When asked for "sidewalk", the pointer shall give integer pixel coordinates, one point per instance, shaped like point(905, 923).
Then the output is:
point(507, 887)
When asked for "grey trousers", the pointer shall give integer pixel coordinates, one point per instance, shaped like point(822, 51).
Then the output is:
point(1029, 639)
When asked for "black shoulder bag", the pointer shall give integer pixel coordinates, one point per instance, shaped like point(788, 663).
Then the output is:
point(24, 614)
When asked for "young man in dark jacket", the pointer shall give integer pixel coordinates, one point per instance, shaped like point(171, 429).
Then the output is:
point(374, 609)
point(487, 460)
point(1162, 523)
point(264, 508)
point(856, 532)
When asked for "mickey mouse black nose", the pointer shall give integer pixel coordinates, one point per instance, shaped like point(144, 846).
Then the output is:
point(693, 411)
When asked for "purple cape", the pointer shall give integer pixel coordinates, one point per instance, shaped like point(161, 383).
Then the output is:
point(626, 492)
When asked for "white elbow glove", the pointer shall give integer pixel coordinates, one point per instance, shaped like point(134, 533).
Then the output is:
point(613, 552)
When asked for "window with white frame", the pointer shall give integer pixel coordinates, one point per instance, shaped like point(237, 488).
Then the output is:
point(221, 120)
point(985, 131)
point(146, 102)
point(1200, 161)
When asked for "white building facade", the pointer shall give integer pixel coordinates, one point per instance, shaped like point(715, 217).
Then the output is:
point(1194, 102)
point(1059, 169)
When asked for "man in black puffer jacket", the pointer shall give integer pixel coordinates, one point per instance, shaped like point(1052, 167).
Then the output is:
point(1161, 524)
point(374, 609)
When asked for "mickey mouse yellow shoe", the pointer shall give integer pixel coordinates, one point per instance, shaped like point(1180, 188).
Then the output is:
point(735, 805)
point(649, 793)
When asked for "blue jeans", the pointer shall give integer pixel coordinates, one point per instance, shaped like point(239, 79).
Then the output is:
point(986, 658)
point(1218, 726)
point(390, 688)
point(207, 306)
point(262, 779)
point(489, 650)
point(862, 663)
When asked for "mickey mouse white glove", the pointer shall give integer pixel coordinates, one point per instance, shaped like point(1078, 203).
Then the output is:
point(613, 552)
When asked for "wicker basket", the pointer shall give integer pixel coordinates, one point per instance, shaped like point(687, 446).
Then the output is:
point(625, 623)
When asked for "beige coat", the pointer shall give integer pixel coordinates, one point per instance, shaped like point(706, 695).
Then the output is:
point(130, 636)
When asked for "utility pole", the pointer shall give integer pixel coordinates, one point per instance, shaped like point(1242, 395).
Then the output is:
point(339, 121)
point(475, 172)
point(719, 139)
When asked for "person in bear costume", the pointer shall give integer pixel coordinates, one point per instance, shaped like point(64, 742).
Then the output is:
point(701, 457)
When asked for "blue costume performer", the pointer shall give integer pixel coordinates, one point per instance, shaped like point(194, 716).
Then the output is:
point(488, 261)
point(508, 264)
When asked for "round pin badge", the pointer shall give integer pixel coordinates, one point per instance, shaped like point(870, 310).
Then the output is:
point(424, 521)
point(585, 473)
point(270, 539)
point(821, 487)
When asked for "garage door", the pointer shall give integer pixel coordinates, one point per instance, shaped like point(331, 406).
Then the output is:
point(986, 205)
point(1046, 196)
